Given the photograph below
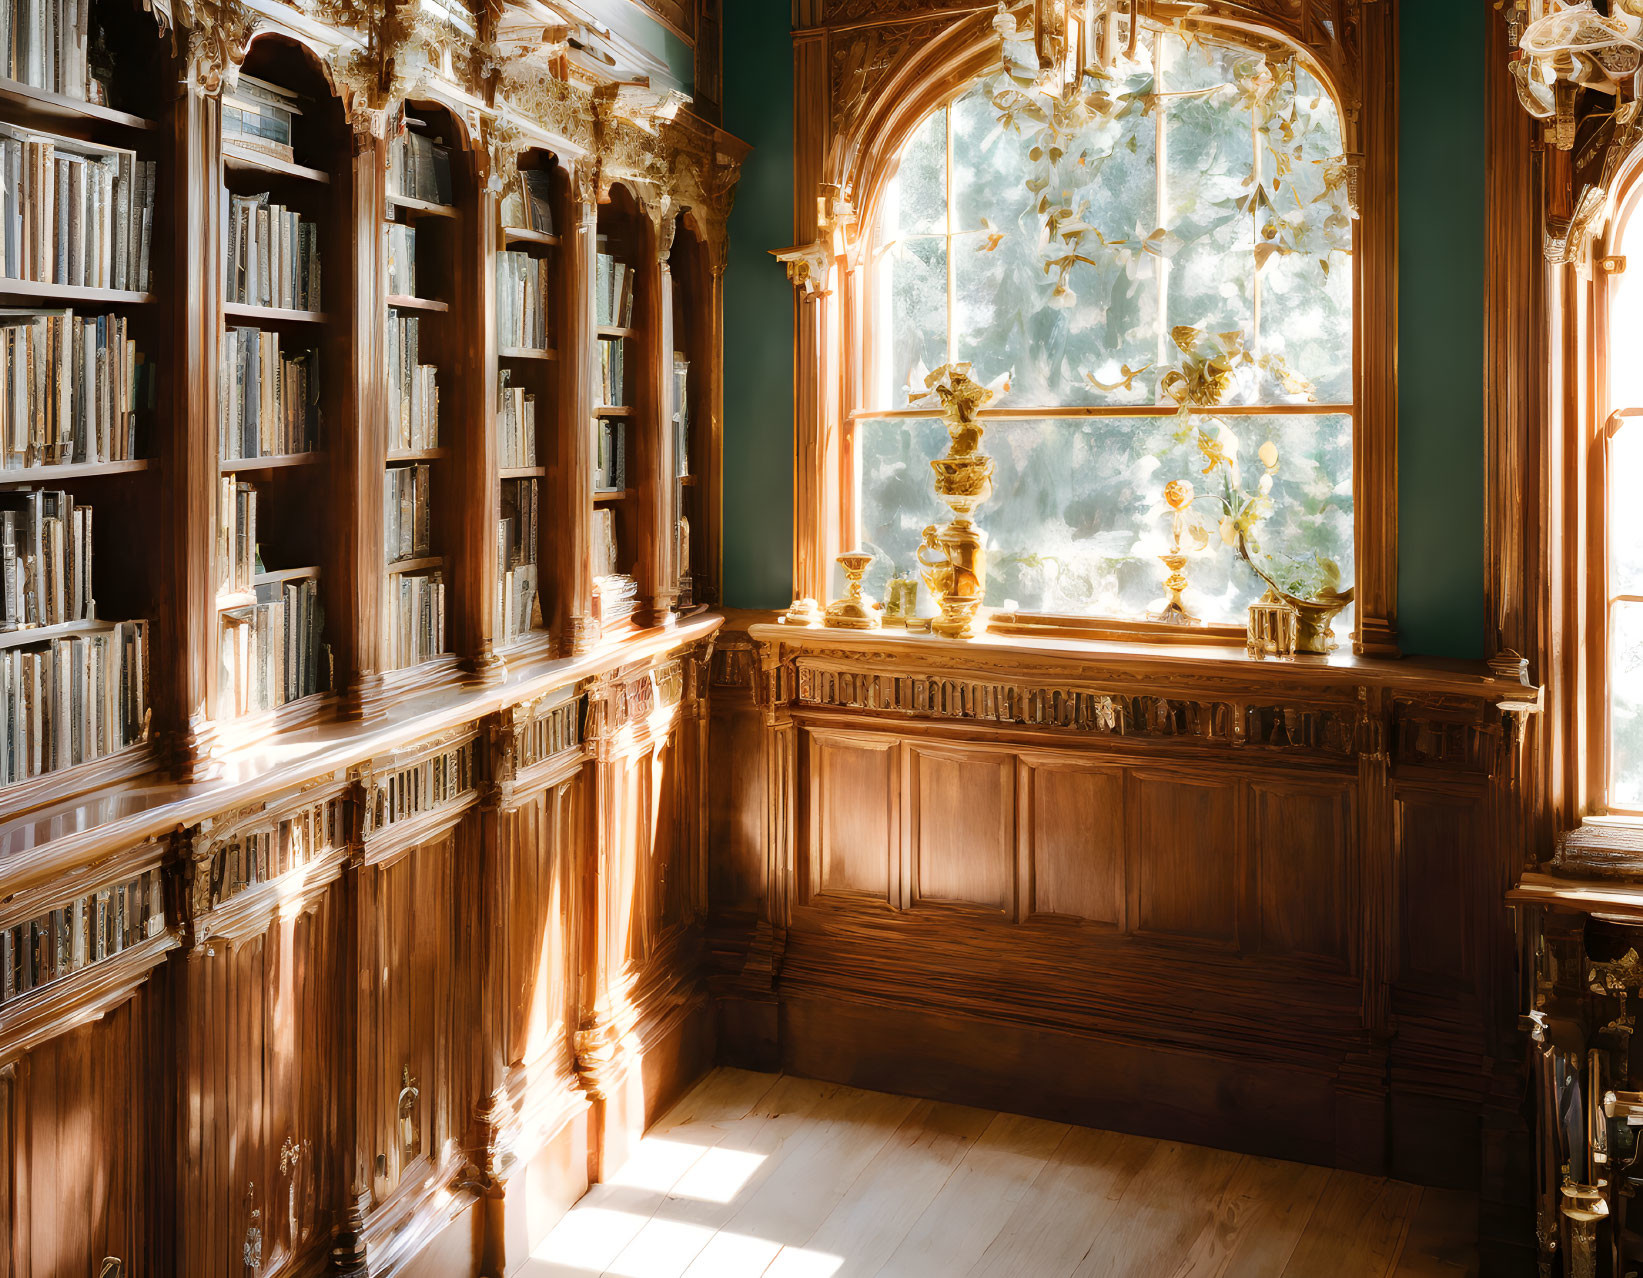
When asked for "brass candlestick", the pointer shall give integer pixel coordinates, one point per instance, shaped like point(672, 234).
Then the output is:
point(954, 564)
point(855, 611)
point(1179, 496)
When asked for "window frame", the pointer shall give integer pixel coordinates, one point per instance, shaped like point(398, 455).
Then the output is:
point(874, 306)
point(849, 133)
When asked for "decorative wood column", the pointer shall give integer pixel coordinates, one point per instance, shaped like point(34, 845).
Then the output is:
point(475, 429)
point(572, 460)
point(363, 442)
point(182, 692)
point(813, 539)
point(660, 476)
point(712, 466)
point(348, 1258)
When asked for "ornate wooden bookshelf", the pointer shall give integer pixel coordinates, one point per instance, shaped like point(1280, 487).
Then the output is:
point(695, 363)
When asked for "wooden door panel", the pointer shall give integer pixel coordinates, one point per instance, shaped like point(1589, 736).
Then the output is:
point(1075, 826)
point(1184, 865)
point(963, 827)
point(855, 787)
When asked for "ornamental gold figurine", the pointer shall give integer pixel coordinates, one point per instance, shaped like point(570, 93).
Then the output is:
point(952, 559)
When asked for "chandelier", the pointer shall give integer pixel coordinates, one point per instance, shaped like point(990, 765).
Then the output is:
point(1564, 47)
point(1075, 38)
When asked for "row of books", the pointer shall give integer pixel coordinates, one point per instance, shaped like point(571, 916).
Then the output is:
point(613, 384)
point(401, 250)
point(406, 511)
point(73, 212)
point(528, 201)
point(517, 537)
point(612, 289)
point(269, 401)
point(72, 699)
point(413, 387)
point(515, 424)
point(45, 560)
point(51, 44)
point(521, 301)
point(415, 629)
point(681, 413)
point(88, 930)
point(73, 388)
point(271, 255)
point(270, 651)
point(259, 116)
point(237, 566)
point(419, 167)
point(610, 471)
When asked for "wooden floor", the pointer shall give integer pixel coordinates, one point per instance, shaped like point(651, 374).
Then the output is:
point(760, 1174)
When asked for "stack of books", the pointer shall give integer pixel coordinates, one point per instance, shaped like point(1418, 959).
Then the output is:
point(406, 508)
point(72, 388)
point(74, 213)
point(418, 167)
point(270, 402)
point(612, 290)
point(270, 651)
point(517, 610)
point(515, 424)
point(236, 537)
point(609, 455)
point(258, 116)
point(521, 301)
point(271, 255)
point(413, 388)
point(45, 560)
point(528, 202)
point(416, 618)
point(71, 700)
point(681, 413)
point(88, 930)
point(54, 46)
point(612, 372)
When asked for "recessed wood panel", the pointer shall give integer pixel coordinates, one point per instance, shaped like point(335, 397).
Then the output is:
point(1439, 838)
point(1302, 841)
point(737, 801)
point(1075, 839)
point(1184, 878)
point(540, 842)
point(963, 827)
point(854, 815)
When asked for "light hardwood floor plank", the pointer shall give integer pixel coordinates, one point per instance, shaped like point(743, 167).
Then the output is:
point(1168, 1205)
point(1258, 1221)
point(842, 1136)
point(1071, 1202)
point(885, 1201)
point(977, 1199)
point(1437, 1245)
point(1355, 1230)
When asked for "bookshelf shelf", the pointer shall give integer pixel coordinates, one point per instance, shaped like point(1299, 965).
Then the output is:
point(403, 303)
point(522, 472)
point(607, 330)
point(414, 208)
point(44, 476)
point(689, 481)
point(396, 455)
point(523, 235)
point(611, 494)
point(270, 314)
point(40, 634)
point(245, 160)
point(285, 574)
point(58, 108)
point(279, 461)
point(523, 352)
point(13, 291)
point(613, 410)
point(227, 602)
point(425, 563)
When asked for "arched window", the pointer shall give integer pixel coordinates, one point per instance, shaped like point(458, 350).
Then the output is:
point(1161, 262)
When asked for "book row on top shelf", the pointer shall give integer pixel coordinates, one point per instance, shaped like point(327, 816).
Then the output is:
point(438, 365)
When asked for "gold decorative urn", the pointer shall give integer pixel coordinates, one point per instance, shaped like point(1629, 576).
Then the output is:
point(856, 611)
point(951, 557)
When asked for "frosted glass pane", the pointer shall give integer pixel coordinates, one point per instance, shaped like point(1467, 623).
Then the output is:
point(1626, 706)
point(1077, 519)
point(1625, 510)
point(916, 198)
point(917, 271)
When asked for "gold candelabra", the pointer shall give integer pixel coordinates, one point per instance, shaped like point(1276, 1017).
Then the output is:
point(951, 557)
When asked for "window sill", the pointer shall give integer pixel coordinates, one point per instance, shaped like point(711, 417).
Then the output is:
point(1221, 659)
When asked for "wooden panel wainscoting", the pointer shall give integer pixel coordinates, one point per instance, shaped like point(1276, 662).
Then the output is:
point(1179, 891)
point(387, 1001)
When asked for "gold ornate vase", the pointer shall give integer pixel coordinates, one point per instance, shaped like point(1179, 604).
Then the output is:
point(951, 557)
point(855, 611)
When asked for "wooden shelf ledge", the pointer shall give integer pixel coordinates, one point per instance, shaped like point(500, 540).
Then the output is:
point(14, 291)
point(285, 574)
point(402, 302)
point(524, 235)
point(34, 476)
point(525, 352)
point(270, 314)
point(522, 472)
point(426, 563)
point(62, 630)
point(414, 208)
point(397, 455)
point(43, 103)
point(249, 160)
point(611, 494)
point(275, 461)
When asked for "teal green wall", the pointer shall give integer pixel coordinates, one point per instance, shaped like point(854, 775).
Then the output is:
point(1440, 455)
point(758, 426)
point(1440, 317)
